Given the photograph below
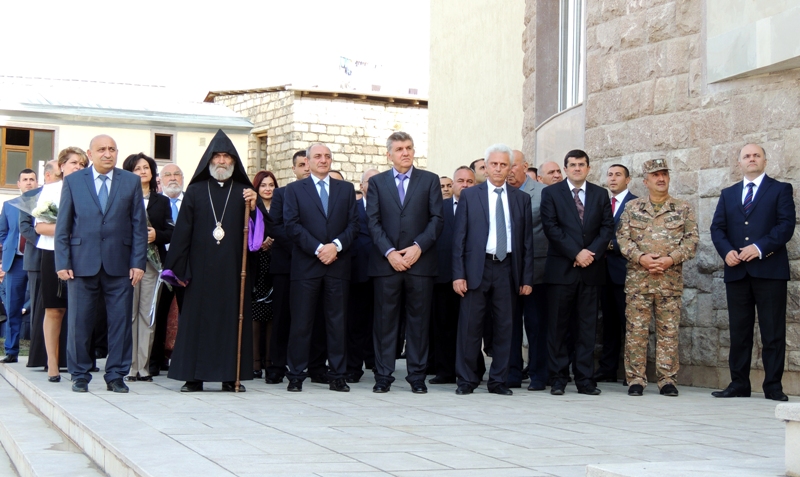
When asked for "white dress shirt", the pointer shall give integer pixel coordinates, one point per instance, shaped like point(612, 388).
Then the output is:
point(620, 197)
point(327, 181)
point(757, 181)
point(581, 192)
point(491, 243)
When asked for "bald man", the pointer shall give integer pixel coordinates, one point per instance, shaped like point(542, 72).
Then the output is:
point(549, 173)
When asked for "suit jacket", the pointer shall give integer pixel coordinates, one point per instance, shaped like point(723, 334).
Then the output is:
point(568, 236)
point(9, 235)
point(395, 225)
point(444, 244)
point(362, 247)
point(617, 264)
point(159, 212)
point(308, 227)
point(534, 189)
point(472, 233)
point(769, 225)
point(281, 260)
point(32, 261)
point(87, 239)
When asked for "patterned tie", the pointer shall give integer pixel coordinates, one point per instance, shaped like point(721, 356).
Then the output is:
point(174, 204)
point(748, 198)
point(400, 190)
point(103, 194)
point(21, 248)
point(613, 206)
point(323, 196)
point(578, 203)
point(502, 246)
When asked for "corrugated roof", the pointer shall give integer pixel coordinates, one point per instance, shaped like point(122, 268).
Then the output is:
point(316, 92)
point(124, 103)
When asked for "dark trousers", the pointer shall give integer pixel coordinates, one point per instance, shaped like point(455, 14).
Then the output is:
point(444, 332)
point(612, 300)
point(305, 294)
point(15, 283)
point(573, 304)
point(768, 297)
point(389, 293)
point(158, 355)
point(496, 291)
point(281, 324)
point(532, 310)
point(84, 294)
point(360, 316)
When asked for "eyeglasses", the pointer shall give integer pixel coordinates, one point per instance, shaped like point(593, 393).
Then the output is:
point(167, 175)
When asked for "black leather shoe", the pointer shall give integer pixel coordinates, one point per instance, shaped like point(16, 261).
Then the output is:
point(273, 379)
point(320, 379)
point(776, 395)
point(352, 379)
point(154, 370)
point(605, 378)
point(442, 380)
point(130, 379)
point(339, 385)
point(536, 387)
point(117, 385)
point(502, 390)
point(464, 389)
point(54, 379)
point(381, 387)
point(192, 387)
point(257, 374)
point(10, 358)
point(669, 390)
point(514, 385)
point(636, 390)
point(94, 369)
point(418, 387)
point(295, 385)
point(731, 392)
point(147, 379)
point(589, 391)
point(230, 387)
point(80, 386)
point(557, 389)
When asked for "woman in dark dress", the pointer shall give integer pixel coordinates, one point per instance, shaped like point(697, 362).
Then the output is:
point(260, 246)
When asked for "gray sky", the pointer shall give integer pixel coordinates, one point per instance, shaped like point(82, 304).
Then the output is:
point(202, 45)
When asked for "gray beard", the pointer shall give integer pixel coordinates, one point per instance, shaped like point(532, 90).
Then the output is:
point(220, 173)
point(172, 191)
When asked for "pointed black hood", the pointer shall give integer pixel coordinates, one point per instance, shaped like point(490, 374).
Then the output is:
point(221, 143)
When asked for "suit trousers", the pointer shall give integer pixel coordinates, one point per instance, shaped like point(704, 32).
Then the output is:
point(84, 294)
point(768, 297)
point(496, 291)
point(360, 317)
point(281, 324)
point(157, 352)
point(305, 294)
point(446, 305)
point(572, 306)
point(612, 300)
point(15, 283)
point(389, 294)
point(142, 332)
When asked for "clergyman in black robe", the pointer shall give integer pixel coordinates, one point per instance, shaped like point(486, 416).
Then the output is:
point(211, 265)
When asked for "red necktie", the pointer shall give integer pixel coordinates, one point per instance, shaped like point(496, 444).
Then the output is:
point(21, 244)
point(613, 206)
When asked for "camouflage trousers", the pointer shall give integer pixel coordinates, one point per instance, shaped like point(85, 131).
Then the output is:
point(638, 312)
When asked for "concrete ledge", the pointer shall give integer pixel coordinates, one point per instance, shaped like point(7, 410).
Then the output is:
point(790, 412)
point(704, 468)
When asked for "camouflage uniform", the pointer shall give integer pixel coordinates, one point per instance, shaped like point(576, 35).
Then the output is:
point(670, 231)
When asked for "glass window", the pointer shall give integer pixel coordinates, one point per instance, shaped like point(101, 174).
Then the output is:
point(572, 45)
point(23, 149)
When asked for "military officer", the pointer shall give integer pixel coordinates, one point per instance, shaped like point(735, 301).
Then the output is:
point(656, 233)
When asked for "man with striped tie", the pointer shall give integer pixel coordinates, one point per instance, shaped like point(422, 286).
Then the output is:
point(754, 220)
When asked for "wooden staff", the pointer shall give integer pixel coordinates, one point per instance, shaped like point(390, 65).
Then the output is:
point(241, 295)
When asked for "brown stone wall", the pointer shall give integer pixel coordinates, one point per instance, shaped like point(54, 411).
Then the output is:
point(647, 97)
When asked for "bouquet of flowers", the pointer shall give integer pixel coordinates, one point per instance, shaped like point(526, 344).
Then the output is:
point(47, 212)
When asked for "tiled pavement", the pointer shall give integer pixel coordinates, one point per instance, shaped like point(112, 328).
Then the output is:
point(156, 430)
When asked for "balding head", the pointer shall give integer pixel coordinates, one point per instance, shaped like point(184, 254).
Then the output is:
point(103, 153)
point(518, 167)
point(550, 173)
point(365, 179)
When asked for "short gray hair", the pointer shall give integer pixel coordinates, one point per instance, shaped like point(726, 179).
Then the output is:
point(463, 168)
point(49, 167)
point(308, 150)
point(499, 147)
point(398, 136)
point(764, 151)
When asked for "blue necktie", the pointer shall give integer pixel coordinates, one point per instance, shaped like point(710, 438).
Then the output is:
point(103, 194)
point(323, 196)
point(500, 227)
point(748, 198)
point(400, 189)
point(174, 204)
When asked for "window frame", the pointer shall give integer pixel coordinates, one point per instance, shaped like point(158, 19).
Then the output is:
point(28, 150)
point(571, 54)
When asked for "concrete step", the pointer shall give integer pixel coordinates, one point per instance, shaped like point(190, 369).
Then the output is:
point(705, 468)
point(6, 467)
point(34, 445)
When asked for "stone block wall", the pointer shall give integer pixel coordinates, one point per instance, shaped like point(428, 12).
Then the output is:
point(647, 97)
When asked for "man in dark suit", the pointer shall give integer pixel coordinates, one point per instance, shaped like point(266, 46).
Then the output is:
point(612, 298)
point(15, 280)
point(322, 230)
point(101, 250)
point(753, 222)
point(492, 266)
point(404, 209)
point(576, 216)
point(446, 302)
point(361, 309)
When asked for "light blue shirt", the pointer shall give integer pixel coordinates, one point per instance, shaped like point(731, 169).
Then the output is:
point(405, 182)
point(98, 183)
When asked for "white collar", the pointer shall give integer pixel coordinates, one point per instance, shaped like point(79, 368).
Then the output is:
point(572, 186)
point(756, 181)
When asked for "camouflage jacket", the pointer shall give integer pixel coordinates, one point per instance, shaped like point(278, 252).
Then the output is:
point(672, 231)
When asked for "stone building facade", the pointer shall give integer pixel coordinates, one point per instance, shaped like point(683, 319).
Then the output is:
point(355, 126)
point(649, 93)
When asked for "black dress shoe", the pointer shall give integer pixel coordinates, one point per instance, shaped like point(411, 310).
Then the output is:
point(257, 374)
point(557, 389)
point(80, 386)
point(273, 379)
point(339, 385)
point(536, 387)
point(502, 390)
point(442, 380)
point(295, 385)
point(130, 379)
point(464, 389)
point(10, 358)
point(731, 392)
point(320, 379)
point(94, 369)
point(382, 387)
point(636, 390)
point(147, 379)
point(776, 395)
point(669, 390)
point(418, 387)
point(352, 379)
point(117, 385)
point(605, 378)
point(192, 387)
point(54, 379)
point(514, 385)
point(230, 387)
point(589, 391)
